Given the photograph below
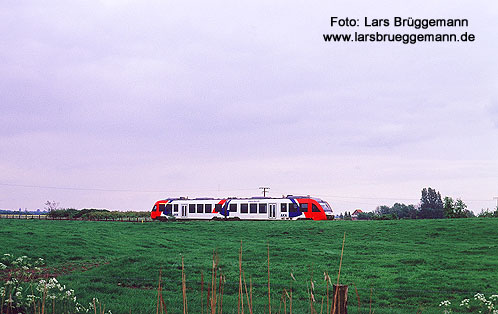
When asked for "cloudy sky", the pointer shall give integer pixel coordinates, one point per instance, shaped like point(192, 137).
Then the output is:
point(116, 104)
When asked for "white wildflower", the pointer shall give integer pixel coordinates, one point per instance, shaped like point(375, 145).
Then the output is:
point(480, 297)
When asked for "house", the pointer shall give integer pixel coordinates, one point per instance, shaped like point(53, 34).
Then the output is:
point(354, 215)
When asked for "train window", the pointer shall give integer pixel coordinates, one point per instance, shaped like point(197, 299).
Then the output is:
point(168, 209)
point(253, 208)
point(175, 208)
point(293, 208)
point(161, 207)
point(262, 208)
point(217, 208)
point(325, 207)
point(314, 209)
point(154, 208)
point(191, 208)
point(233, 208)
point(200, 208)
point(243, 208)
point(304, 207)
point(208, 208)
point(283, 208)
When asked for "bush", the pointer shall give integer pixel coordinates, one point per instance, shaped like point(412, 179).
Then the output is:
point(21, 293)
point(95, 214)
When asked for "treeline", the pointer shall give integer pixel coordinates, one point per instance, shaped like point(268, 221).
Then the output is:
point(24, 212)
point(431, 207)
point(94, 214)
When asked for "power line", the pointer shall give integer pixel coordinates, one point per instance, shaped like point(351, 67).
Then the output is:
point(114, 190)
point(396, 199)
point(224, 190)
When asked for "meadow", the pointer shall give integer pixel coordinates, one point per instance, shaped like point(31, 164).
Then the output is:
point(403, 266)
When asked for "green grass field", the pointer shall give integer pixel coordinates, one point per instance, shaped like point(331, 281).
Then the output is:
point(411, 265)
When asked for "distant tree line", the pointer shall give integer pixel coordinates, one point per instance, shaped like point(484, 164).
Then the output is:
point(346, 216)
point(431, 207)
point(22, 212)
point(94, 214)
point(55, 211)
point(489, 214)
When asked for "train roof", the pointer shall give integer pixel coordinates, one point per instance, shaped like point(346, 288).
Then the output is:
point(242, 198)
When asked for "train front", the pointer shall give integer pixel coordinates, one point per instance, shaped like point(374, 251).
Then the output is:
point(326, 208)
point(157, 210)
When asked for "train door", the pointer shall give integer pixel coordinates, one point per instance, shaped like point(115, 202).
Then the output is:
point(184, 211)
point(272, 211)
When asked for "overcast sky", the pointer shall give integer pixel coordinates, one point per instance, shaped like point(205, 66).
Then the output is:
point(116, 104)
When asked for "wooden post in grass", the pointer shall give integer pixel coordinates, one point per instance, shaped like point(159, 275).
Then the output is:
point(334, 303)
point(341, 301)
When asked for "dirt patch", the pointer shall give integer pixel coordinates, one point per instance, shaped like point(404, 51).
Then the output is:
point(134, 286)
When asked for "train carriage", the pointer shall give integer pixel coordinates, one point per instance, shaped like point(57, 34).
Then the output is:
point(255, 208)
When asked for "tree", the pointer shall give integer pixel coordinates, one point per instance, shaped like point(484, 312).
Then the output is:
point(366, 216)
point(431, 199)
point(383, 210)
point(51, 206)
point(469, 214)
point(449, 207)
point(347, 216)
point(460, 208)
point(397, 211)
point(431, 205)
point(487, 213)
point(404, 211)
point(456, 209)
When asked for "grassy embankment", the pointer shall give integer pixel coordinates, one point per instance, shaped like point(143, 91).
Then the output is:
point(411, 265)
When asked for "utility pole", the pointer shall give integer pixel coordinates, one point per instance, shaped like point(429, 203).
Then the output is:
point(264, 190)
point(496, 198)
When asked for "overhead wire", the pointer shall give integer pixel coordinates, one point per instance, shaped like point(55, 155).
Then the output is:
point(335, 197)
point(117, 190)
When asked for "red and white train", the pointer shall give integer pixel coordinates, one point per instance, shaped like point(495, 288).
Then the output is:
point(255, 208)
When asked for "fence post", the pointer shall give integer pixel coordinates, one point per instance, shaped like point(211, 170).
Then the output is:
point(340, 303)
